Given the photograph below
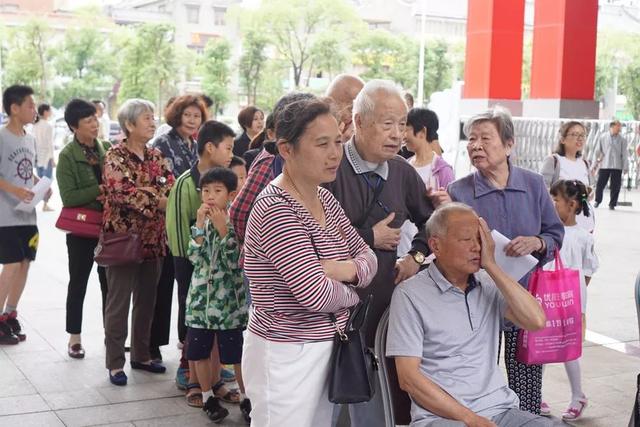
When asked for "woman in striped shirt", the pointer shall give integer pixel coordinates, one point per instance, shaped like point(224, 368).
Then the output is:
point(304, 260)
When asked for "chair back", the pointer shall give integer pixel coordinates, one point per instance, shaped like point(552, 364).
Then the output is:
point(396, 402)
point(637, 295)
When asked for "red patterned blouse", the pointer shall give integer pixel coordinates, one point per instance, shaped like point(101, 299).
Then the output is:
point(131, 191)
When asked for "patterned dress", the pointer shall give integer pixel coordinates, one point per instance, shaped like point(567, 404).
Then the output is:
point(217, 297)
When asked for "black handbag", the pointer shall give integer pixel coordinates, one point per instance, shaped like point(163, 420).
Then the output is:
point(635, 415)
point(353, 364)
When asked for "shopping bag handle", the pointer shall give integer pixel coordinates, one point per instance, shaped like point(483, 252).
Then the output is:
point(558, 260)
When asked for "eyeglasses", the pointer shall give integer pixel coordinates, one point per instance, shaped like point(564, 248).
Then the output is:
point(577, 135)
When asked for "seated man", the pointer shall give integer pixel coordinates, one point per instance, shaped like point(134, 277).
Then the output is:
point(444, 326)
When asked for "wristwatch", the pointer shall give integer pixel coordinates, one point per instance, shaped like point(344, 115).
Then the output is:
point(196, 232)
point(418, 257)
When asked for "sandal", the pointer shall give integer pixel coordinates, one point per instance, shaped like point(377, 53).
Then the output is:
point(574, 413)
point(194, 398)
point(231, 396)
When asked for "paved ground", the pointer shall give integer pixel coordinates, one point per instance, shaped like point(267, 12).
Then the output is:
point(40, 385)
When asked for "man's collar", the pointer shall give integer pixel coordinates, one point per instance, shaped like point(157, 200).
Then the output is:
point(516, 182)
point(443, 284)
point(360, 165)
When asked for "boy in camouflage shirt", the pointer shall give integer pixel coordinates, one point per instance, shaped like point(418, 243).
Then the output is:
point(216, 303)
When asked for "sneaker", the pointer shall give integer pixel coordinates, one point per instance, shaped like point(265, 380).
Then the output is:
point(214, 410)
point(14, 324)
point(545, 410)
point(245, 408)
point(182, 378)
point(227, 375)
point(575, 412)
point(7, 337)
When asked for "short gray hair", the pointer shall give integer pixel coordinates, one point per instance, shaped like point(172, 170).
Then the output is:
point(501, 119)
point(131, 110)
point(438, 223)
point(364, 104)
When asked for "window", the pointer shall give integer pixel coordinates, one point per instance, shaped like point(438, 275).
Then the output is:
point(219, 13)
point(193, 13)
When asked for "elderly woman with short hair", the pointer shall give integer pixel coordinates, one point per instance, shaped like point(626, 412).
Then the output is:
point(515, 202)
point(136, 183)
point(185, 115)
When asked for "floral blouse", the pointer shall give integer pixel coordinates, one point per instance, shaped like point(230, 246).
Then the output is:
point(127, 206)
point(181, 157)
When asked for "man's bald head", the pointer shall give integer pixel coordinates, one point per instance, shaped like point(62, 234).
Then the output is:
point(344, 88)
point(342, 91)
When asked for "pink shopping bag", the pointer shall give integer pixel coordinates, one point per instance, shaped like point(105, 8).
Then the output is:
point(558, 292)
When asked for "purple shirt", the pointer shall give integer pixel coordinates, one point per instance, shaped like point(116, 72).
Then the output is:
point(522, 208)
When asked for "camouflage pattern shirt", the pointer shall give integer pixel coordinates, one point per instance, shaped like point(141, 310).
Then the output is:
point(216, 298)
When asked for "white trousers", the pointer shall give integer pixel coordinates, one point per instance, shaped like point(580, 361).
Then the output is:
point(287, 382)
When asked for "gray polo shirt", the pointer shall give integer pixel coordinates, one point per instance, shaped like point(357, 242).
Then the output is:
point(456, 336)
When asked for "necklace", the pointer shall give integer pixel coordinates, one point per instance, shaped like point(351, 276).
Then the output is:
point(302, 200)
point(286, 174)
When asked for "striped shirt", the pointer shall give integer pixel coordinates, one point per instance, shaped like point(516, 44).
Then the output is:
point(291, 296)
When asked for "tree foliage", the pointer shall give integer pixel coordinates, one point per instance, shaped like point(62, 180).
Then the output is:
point(328, 55)
point(214, 67)
point(295, 25)
point(252, 61)
point(386, 56)
point(28, 59)
point(84, 64)
point(148, 67)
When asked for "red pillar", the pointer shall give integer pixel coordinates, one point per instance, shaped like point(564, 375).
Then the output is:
point(493, 63)
point(564, 59)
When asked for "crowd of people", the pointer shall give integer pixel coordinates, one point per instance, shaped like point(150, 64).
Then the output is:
point(274, 235)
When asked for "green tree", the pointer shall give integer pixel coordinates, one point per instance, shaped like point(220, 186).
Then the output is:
point(294, 26)
point(328, 55)
point(378, 52)
point(252, 61)
point(28, 59)
point(84, 64)
point(387, 56)
point(437, 68)
point(630, 86)
point(214, 65)
point(272, 83)
point(148, 67)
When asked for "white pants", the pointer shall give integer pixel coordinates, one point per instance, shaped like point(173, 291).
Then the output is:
point(287, 382)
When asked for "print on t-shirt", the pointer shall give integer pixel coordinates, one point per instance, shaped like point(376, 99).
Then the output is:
point(22, 159)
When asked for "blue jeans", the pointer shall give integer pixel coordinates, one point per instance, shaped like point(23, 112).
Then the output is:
point(46, 170)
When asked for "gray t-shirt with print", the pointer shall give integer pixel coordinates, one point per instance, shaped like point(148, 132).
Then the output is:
point(17, 159)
